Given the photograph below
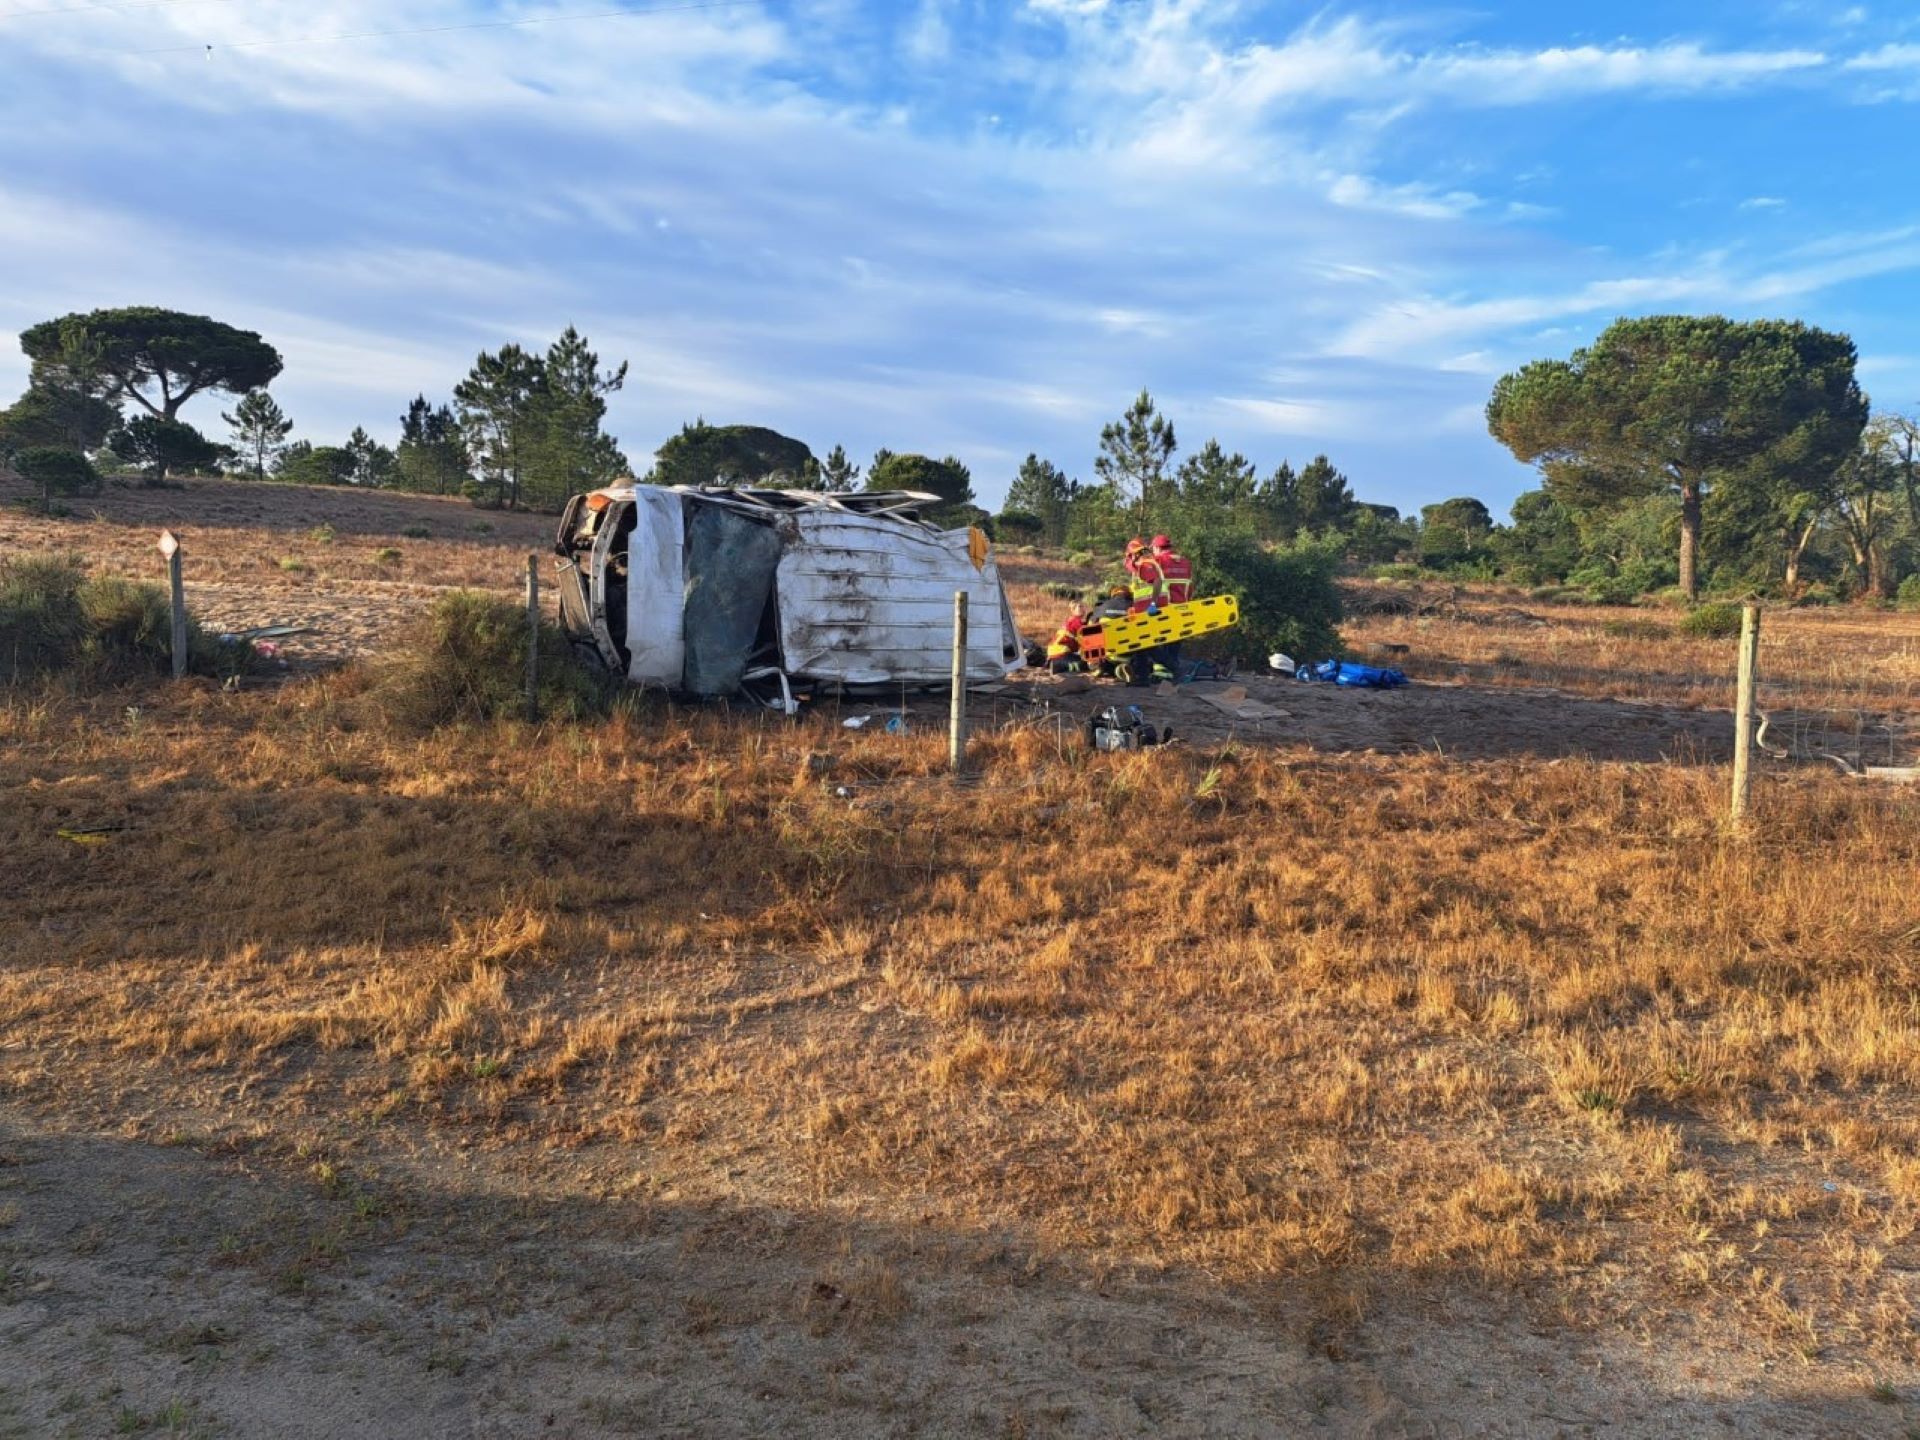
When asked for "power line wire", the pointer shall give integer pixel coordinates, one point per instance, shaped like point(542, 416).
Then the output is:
point(624, 13)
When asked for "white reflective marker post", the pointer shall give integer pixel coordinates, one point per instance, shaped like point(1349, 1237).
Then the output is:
point(957, 712)
point(1743, 711)
point(177, 590)
point(533, 639)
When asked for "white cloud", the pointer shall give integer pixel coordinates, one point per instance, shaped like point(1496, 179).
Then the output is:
point(929, 37)
point(1887, 57)
point(1762, 202)
point(1313, 419)
point(1416, 201)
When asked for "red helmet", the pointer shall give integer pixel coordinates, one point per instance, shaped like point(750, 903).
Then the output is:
point(1161, 542)
point(1136, 545)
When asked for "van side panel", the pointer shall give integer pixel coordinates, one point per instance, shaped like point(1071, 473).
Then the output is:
point(656, 589)
point(864, 600)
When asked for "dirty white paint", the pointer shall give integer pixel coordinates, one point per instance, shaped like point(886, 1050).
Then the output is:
point(656, 589)
point(866, 600)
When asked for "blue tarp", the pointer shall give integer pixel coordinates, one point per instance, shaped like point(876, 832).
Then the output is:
point(1344, 672)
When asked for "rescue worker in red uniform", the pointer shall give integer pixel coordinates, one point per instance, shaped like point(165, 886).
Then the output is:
point(1143, 574)
point(1063, 651)
point(1176, 571)
point(1176, 588)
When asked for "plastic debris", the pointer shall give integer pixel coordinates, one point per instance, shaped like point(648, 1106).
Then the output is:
point(1345, 672)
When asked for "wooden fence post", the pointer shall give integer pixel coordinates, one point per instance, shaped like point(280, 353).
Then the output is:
point(957, 711)
point(533, 639)
point(177, 599)
point(1743, 711)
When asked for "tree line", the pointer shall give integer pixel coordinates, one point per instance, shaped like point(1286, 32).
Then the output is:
point(1675, 451)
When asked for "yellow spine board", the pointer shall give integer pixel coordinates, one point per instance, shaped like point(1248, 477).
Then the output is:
point(1127, 634)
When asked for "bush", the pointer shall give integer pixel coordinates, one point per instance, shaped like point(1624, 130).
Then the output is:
point(56, 472)
point(417, 532)
point(386, 555)
point(41, 627)
point(1016, 527)
point(1061, 590)
point(467, 661)
point(1288, 600)
point(294, 565)
point(1636, 629)
point(1082, 558)
point(1907, 597)
point(1612, 590)
point(1401, 571)
point(53, 618)
point(1718, 621)
point(322, 534)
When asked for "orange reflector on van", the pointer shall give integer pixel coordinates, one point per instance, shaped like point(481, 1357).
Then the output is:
point(598, 501)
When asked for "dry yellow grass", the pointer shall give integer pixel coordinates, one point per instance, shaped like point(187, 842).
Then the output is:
point(1838, 658)
point(1535, 1025)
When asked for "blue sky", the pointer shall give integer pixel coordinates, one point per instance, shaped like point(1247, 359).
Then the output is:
point(955, 226)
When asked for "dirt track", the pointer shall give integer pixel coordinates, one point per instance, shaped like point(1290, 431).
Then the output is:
point(213, 1290)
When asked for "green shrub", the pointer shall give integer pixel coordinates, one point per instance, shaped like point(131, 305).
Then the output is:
point(322, 534)
point(1288, 599)
point(1907, 597)
point(481, 527)
point(56, 472)
point(1818, 594)
point(386, 555)
point(1612, 590)
point(41, 627)
point(53, 619)
point(417, 532)
point(1401, 571)
point(1062, 590)
point(467, 661)
point(1717, 621)
point(1082, 558)
point(1016, 527)
point(294, 565)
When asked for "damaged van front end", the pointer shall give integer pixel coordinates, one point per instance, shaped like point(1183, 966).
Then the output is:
point(709, 591)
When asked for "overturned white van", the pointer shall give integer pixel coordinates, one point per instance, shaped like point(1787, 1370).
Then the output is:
point(708, 591)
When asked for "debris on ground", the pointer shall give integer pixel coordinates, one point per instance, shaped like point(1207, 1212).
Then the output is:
point(1347, 673)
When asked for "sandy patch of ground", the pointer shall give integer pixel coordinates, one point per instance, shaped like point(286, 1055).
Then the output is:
point(175, 1283)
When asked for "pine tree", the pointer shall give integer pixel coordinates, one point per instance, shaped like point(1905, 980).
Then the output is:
point(260, 429)
point(570, 453)
point(1042, 490)
point(1134, 453)
point(837, 472)
point(1322, 498)
point(373, 463)
point(431, 459)
point(1212, 477)
point(499, 419)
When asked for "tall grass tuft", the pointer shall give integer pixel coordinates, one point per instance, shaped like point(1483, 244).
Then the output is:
point(56, 619)
point(467, 662)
